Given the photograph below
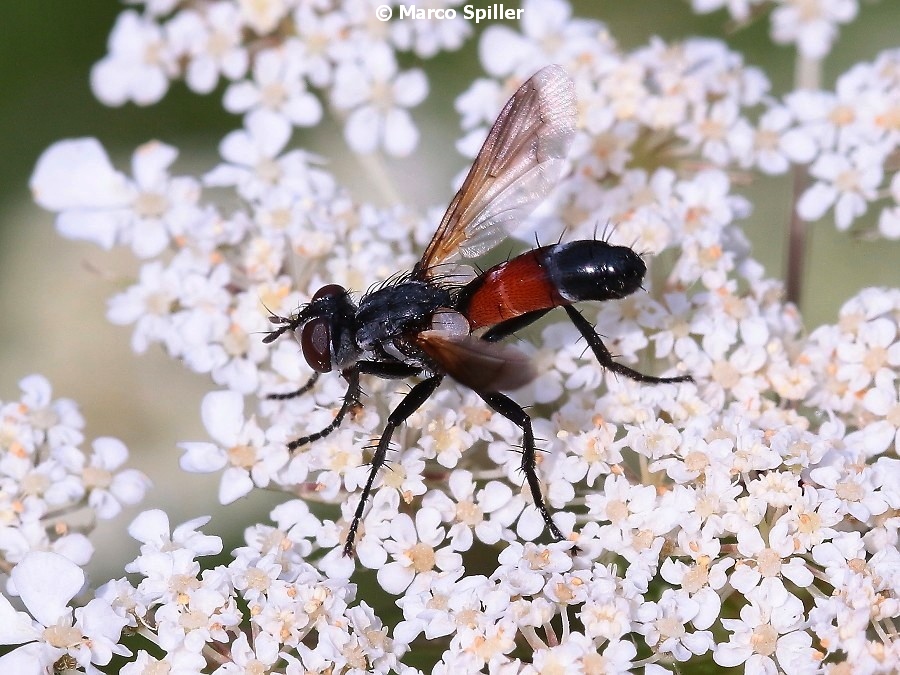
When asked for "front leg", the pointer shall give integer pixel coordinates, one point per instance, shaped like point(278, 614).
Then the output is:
point(351, 396)
point(517, 415)
point(351, 400)
point(310, 383)
point(413, 400)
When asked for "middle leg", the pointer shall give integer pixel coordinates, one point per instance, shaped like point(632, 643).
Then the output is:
point(517, 415)
point(413, 400)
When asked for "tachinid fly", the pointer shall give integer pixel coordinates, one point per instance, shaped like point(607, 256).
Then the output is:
point(423, 325)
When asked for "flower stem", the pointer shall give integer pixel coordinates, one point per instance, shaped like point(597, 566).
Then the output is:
point(807, 75)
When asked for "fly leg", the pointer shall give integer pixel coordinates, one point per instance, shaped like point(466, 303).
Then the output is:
point(510, 326)
point(297, 392)
point(351, 396)
point(606, 359)
point(517, 415)
point(351, 400)
point(411, 402)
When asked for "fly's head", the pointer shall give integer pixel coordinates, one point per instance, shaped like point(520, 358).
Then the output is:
point(325, 329)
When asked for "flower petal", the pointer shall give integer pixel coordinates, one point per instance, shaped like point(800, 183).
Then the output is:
point(46, 582)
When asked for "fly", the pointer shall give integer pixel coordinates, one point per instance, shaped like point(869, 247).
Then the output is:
point(423, 325)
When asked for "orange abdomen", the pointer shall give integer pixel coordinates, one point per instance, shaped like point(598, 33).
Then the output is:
point(511, 289)
point(548, 277)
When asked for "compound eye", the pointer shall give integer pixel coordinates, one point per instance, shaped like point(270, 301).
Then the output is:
point(315, 341)
point(330, 289)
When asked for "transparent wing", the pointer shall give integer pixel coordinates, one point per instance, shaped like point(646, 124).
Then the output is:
point(518, 165)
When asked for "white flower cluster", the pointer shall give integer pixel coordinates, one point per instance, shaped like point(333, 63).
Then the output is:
point(750, 517)
point(51, 489)
point(810, 24)
point(856, 132)
point(51, 494)
point(284, 57)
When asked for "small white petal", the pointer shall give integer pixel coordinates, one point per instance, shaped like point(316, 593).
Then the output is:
point(202, 457)
point(395, 577)
point(223, 415)
point(77, 173)
point(202, 75)
point(400, 134)
point(813, 203)
point(47, 582)
point(362, 130)
point(501, 50)
point(151, 161)
point(130, 486)
point(240, 97)
point(410, 88)
point(97, 618)
point(99, 227)
point(270, 131)
point(26, 660)
point(150, 527)
point(111, 452)
point(235, 484)
point(75, 547)
point(304, 111)
point(15, 627)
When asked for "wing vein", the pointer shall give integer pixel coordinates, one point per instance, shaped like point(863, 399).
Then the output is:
point(516, 168)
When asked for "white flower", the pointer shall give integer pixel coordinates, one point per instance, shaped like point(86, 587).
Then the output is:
point(808, 523)
point(107, 488)
point(263, 17)
point(777, 144)
point(471, 510)
point(325, 36)
point(139, 65)
point(811, 24)
point(550, 34)
point(525, 568)
point(212, 43)
point(46, 583)
point(873, 352)
point(769, 629)
point(426, 37)
point(151, 528)
point(246, 658)
point(56, 422)
point(376, 96)
point(663, 624)
point(279, 85)
point(846, 183)
point(150, 304)
point(414, 547)
point(854, 486)
point(251, 155)
point(174, 661)
point(241, 447)
point(764, 562)
point(99, 204)
point(719, 132)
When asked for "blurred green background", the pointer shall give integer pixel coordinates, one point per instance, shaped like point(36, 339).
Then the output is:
point(53, 291)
